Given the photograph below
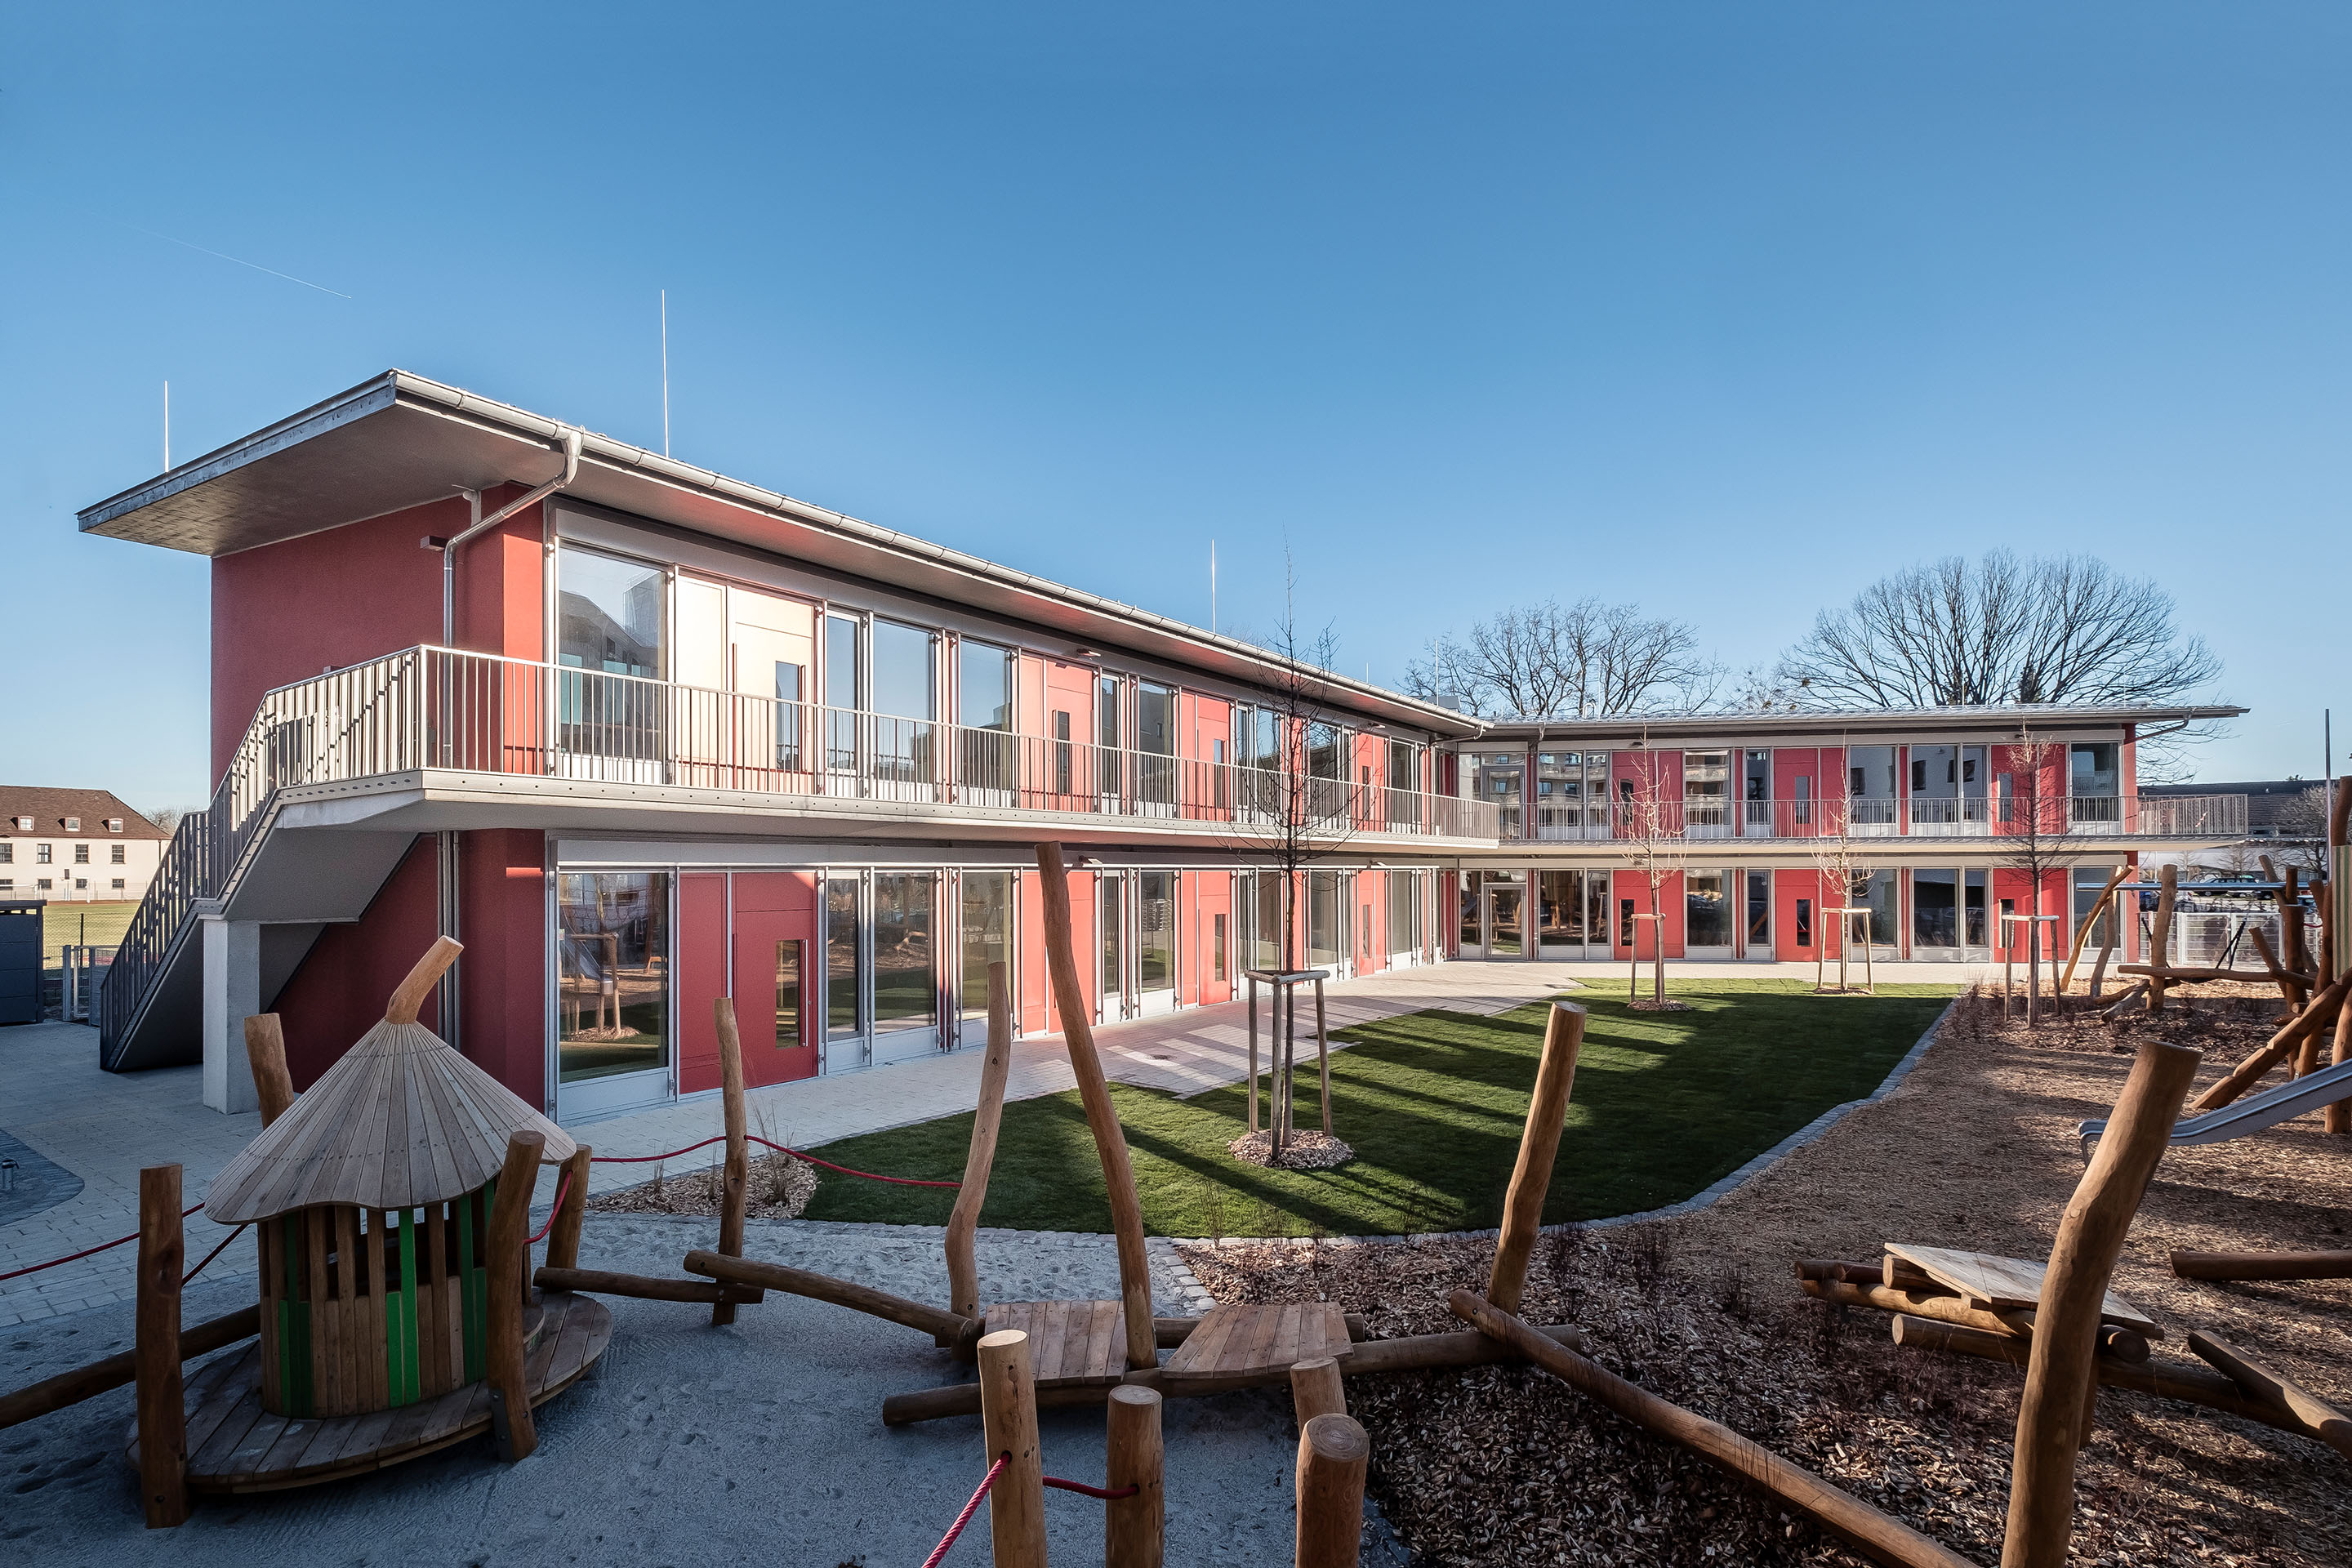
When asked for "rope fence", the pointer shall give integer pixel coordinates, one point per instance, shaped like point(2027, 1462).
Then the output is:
point(216, 1252)
point(1081, 1488)
point(562, 1189)
point(970, 1509)
point(779, 1148)
point(88, 1252)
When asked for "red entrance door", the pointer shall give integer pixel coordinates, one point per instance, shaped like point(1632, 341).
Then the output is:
point(779, 985)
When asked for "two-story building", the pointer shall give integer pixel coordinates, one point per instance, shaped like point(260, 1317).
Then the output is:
point(641, 735)
point(74, 846)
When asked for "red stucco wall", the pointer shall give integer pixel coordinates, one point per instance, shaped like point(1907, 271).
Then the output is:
point(502, 918)
point(340, 991)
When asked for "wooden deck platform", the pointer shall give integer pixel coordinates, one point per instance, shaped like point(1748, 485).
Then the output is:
point(236, 1445)
point(2003, 1284)
point(1072, 1344)
point(1243, 1341)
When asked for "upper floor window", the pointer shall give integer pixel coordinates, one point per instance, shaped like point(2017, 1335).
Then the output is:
point(610, 614)
point(2092, 773)
point(903, 686)
point(41, 854)
point(114, 825)
point(7, 853)
point(82, 854)
point(73, 824)
point(1323, 752)
point(24, 824)
point(985, 686)
point(116, 856)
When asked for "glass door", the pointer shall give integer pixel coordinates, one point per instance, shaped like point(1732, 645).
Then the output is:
point(844, 974)
point(1935, 911)
point(1110, 901)
point(1759, 916)
point(906, 965)
point(1707, 914)
point(1560, 914)
point(984, 924)
point(1506, 897)
point(1155, 943)
point(613, 991)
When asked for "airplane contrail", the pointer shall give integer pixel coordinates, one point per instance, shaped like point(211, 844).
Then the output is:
point(306, 283)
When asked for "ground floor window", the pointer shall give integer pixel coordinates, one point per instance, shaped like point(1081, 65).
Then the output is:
point(1404, 912)
point(987, 933)
point(840, 958)
point(613, 987)
point(1327, 939)
point(906, 965)
point(1707, 910)
point(1155, 931)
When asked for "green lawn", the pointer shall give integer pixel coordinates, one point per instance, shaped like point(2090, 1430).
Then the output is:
point(1432, 1102)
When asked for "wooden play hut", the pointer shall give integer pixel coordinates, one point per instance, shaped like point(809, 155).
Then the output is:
point(375, 1196)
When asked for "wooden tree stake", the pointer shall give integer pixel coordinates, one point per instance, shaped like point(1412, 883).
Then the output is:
point(509, 1271)
point(1315, 1389)
point(1538, 1144)
point(2074, 1289)
point(264, 1049)
point(163, 1404)
point(1135, 1528)
point(1323, 1055)
point(735, 1184)
point(963, 1269)
point(1333, 1456)
point(1094, 1091)
point(2160, 955)
point(1008, 1412)
point(563, 1237)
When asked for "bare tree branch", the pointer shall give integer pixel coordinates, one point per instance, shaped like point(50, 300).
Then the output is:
point(1584, 660)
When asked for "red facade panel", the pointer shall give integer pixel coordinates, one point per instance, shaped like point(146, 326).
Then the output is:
point(340, 989)
point(502, 915)
point(779, 975)
point(701, 977)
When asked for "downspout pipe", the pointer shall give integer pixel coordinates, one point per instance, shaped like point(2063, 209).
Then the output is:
point(571, 437)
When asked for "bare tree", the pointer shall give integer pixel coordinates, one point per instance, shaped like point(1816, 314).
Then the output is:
point(2030, 817)
point(1650, 823)
point(2002, 630)
point(1285, 815)
point(1837, 868)
point(165, 819)
point(1584, 660)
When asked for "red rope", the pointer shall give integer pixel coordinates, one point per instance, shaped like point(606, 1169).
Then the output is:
point(216, 1252)
point(561, 1188)
point(778, 1148)
point(86, 1252)
point(1092, 1491)
point(970, 1509)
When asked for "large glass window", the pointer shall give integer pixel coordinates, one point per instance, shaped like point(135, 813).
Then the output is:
point(1759, 913)
point(613, 989)
point(1972, 908)
point(903, 703)
point(1110, 974)
point(987, 925)
point(788, 995)
point(2093, 785)
point(1404, 912)
point(1707, 910)
point(1876, 892)
point(985, 692)
point(1107, 736)
point(608, 614)
point(1560, 794)
point(1706, 792)
point(1872, 784)
point(1470, 889)
point(1935, 908)
point(906, 964)
point(1560, 909)
point(1269, 914)
point(1499, 777)
point(1155, 742)
point(1155, 931)
point(842, 670)
point(1327, 939)
point(841, 959)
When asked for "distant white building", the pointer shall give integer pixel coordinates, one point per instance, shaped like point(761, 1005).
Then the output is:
point(75, 845)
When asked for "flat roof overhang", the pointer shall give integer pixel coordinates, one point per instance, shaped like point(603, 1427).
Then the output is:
point(2055, 721)
point(400, 440)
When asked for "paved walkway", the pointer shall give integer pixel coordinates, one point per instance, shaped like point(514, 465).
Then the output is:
point(101, 1127)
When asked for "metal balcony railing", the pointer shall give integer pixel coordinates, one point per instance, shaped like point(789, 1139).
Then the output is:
point(2137, 815)
point(478, 713)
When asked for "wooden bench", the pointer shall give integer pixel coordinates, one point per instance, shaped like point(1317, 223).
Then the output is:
point(1072, 1344)
point(1249, 1341)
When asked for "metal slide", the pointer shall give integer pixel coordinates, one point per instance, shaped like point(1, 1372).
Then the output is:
point(2297, 1097)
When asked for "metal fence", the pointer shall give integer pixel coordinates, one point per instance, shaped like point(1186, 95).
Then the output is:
point(2105, 816)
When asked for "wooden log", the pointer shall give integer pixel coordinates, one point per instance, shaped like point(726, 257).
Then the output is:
point(408, 997)
point(2278, 975)
point(1523, 1202)
point(2294, 952)
point(2190, 1386)
point(1173, 1331)
point(932, 1321)
point(1334, 1457)
point(2159, 954)
point(2194, 976)
point(735, 1180)
point(641, 1287)
point(86, 1382)
point(2114, 1339)
point(563, 1236)
point(2099, 970)
point(2337, 1118)
point(2123, 1002)
point(2082, 930)
point(1875, 1535)
point(1315, 1389)
point(1008, 1410)
point(2250, 1072)
point(963, 1269)
point(265, 1052)
point(1135, 1528)
point(2190, 1264)
point(2321, 1419)
point(1418, 1353)
point(1094, 1092)
point(1891, 1271)
point(509, 1258)
point(156, 1353)
point(2063, 1363)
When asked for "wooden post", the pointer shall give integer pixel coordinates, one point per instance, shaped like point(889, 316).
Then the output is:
point(1323, 1055)
point(563, 1237)
point(1252, 982)
point(2248, 1073)
point(1135, 1528)
point(2159, 942)
point(1538, 1143)
point(735, 1181)
point(2099, 970)
point(2337, 1117)
point(1333, 1456)
point(1315, 1389)
point(408, 997)
point(264, 1049)
point(2074, 955)
point(2074, 1289)
point(1094, 1091)
point(963, 1269)
point(1008, 1413)
point(162, 1404)
point(510, 1273)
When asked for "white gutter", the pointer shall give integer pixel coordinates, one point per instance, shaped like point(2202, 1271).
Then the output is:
point(571, 437)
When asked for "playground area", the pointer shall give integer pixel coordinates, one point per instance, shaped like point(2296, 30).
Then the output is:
point(2066, 1287)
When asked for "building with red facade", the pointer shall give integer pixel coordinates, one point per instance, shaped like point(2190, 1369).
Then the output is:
point(640, 735)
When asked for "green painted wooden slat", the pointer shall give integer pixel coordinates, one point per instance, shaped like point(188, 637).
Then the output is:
point(473, 1290)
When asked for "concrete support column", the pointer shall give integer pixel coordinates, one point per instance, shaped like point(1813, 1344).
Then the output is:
point(231, 995)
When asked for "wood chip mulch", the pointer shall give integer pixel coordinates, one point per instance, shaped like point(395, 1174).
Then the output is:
point(1301, 1150)
point(1974, 1150)
point(781, 1189)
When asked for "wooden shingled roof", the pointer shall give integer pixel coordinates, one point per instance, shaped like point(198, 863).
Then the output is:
point(400, 1120)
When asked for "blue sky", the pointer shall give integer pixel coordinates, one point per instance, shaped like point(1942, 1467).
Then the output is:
point(1725, 310)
